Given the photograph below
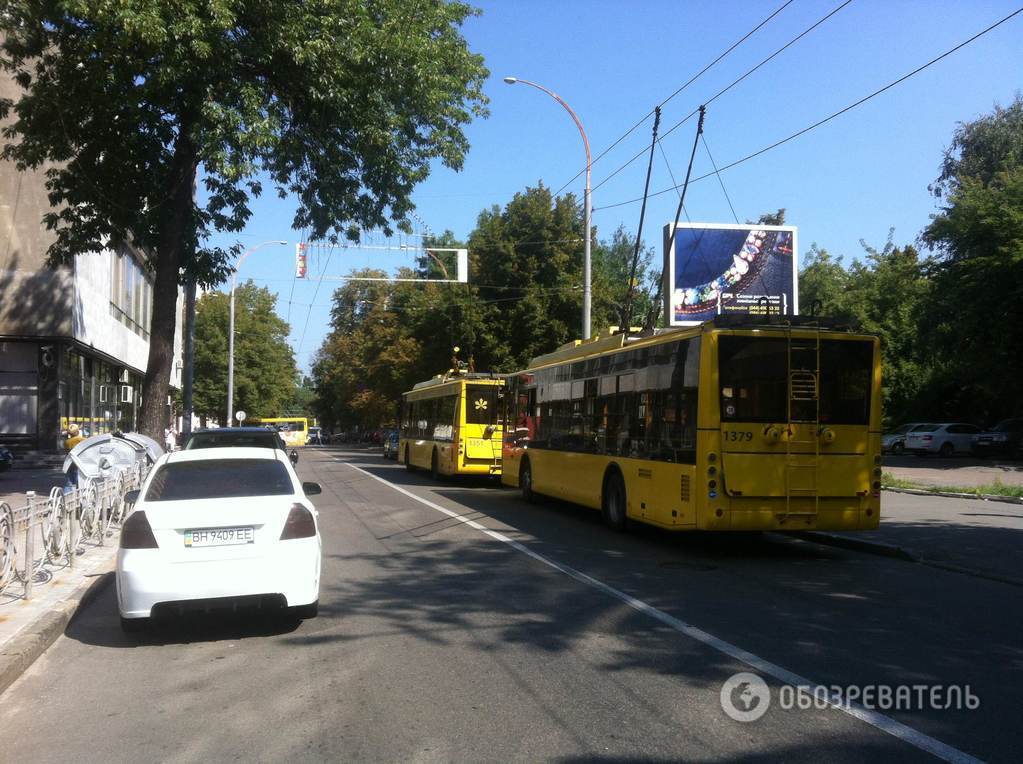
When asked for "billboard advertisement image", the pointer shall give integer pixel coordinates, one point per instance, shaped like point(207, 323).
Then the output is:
point(712, 269)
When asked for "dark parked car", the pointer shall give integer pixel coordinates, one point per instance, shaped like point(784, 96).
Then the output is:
point(6, 459)
point(227, 437)
point(1005, 438)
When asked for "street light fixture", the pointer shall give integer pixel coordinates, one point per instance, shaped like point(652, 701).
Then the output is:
point(230, 332)
point(586, 199)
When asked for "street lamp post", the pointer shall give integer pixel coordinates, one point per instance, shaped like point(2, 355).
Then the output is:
point(230, 329)
point(586, 199)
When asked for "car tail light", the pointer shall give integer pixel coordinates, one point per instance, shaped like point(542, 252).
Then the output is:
point(137, 533)
point(299, 525)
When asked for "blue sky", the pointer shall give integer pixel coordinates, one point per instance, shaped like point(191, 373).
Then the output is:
point(856, 177)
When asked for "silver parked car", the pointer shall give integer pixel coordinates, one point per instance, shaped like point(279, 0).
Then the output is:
point(946, 439)
point(895, 442)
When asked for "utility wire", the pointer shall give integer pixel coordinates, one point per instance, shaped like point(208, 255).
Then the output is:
point(830, 117)
point(309, 312)
point(718, 173)
point(728, 87)
point(689, 82)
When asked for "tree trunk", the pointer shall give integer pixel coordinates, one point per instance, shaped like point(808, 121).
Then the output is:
point(154, 416)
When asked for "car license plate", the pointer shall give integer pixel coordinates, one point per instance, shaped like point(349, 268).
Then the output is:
point(219, 536)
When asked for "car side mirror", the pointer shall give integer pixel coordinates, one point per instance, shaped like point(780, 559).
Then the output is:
point(293, 456)
point(311, 489)
point(131, 497)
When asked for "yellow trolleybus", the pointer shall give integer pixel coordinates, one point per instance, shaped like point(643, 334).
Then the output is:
point(738, 424)
point(294, 430)
point(451, 425)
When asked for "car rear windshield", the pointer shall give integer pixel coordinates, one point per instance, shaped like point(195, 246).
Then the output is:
point(255, 439)
point(219, 479)
point(754, 387)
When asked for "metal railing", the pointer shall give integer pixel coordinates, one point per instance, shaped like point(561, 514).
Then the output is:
point(47, 533)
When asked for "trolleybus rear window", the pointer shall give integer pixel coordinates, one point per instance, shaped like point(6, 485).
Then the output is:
point(754, 388)
point(481, 404)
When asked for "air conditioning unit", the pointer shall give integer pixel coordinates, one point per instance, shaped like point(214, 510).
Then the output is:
point(127, 393)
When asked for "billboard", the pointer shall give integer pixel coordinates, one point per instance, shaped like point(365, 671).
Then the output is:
point(712, 269)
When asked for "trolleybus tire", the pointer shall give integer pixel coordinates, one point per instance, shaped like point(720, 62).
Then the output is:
point(613, 502)
point(526, 481)
point(408, 461)
point(435, 466)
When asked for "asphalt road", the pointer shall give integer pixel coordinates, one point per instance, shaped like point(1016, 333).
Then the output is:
point(476, 627)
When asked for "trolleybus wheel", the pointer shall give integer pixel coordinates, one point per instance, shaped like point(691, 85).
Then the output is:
point(434, 466)
point(613, 503)
point(526, 481)
point(408, 461)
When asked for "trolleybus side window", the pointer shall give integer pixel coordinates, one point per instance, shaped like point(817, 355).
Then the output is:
point(752, 379)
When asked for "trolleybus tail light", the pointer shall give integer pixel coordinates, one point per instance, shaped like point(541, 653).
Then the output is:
point(137, 532)
point(299, 525)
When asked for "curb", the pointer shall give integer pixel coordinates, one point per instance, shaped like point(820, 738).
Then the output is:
point(950, 495)
point(859, 545)
point(900, 553)
point(22, 651)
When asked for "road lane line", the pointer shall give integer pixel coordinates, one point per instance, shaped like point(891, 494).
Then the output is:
point(884, 723)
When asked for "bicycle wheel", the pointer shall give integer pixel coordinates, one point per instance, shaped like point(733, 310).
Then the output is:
point(54, 527)
point(88, 511)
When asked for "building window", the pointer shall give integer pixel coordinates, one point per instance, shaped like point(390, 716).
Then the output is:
point(131, 293)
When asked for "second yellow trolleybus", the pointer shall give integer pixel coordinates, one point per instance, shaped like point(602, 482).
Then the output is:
point(737, 424)
point(451, 425)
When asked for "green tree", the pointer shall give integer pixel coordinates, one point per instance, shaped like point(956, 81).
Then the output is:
point(364, 364)
point(264, 366)
point(528, 264)
point(974, 315)
point(342, 103)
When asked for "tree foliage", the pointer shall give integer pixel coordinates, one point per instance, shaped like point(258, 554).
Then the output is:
point(524, 299)
point(264, 367)
point(342, 104)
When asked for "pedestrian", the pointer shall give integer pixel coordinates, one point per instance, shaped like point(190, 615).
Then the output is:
point(170, 439)
point(74, 436)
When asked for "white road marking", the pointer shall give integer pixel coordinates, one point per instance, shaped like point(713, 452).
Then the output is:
point(880, 721)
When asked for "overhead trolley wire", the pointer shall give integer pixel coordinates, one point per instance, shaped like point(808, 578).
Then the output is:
point(689, 82)
point(728, 87)
point(830, 117)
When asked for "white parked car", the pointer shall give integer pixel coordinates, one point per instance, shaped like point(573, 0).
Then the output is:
point(945, 439)
point(215, 527)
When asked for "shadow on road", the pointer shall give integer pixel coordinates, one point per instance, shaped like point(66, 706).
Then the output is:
point(99, 625)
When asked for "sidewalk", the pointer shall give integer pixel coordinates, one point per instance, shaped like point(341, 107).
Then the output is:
point(28, 627)
point(983, 538)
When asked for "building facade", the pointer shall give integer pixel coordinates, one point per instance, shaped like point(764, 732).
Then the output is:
point(74, 340)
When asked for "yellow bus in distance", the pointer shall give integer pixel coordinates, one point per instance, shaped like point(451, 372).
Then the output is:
point(451, 425)
point(742, 423)
point(294, 430)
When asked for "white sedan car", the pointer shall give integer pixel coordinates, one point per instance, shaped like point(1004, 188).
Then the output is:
point(215, 527)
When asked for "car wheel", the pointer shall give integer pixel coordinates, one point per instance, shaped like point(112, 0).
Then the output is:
point(613, 503)
point(134, 625)
point(947, 449)
point(898, 448)
point(408, 461)
point(526, 481)
point(435, 466)
point(305, 612)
